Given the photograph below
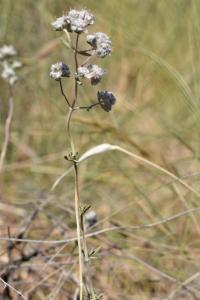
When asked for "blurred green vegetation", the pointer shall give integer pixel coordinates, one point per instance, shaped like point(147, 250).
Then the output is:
point(154, 70)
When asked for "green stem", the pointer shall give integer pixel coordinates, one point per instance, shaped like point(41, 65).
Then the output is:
point(71, 108)
point(69, 130)
point(87, 260)
point(79, 224)
point(7, 130)
point(76, 69)
point(77, 208)
point(77, 198)
point(62, 92)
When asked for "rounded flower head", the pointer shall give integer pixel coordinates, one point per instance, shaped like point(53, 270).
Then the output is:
point(92, 72)
point(79, 20)
point(75, 21)
point(60, 23)
point(101, 43)
point(7, 51)
point(106, 100)
point(59, 70)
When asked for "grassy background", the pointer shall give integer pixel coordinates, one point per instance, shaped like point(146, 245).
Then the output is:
point(154, 72)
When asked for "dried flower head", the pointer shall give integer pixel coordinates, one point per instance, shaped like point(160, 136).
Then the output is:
point(90, 218)
point(59, 70)
point(106, 100)
point(8, 73)
point(101, 43)
point(60, 23)
point(7, 51)
point(92, 72)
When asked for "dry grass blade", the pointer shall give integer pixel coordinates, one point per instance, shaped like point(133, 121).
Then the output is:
point(107, 147)
point(6, 284)
point(105, 230)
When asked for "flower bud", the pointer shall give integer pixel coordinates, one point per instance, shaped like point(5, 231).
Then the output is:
point(106, 100)
point(90, 218)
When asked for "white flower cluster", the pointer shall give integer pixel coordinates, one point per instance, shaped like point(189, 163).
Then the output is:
point(92, 72)
point(101, 43)
point(8, 64)
point(76, 21)
point(59, 70)
point(7, 51)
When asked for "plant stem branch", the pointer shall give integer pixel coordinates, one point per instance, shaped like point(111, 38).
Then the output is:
point(76, 197)
point(62, 92)
point(71, 107)
point(69, 130)
point(87, 107)
point(87, 259)
point(76, 69)
point(7, 131)
point(77, 208)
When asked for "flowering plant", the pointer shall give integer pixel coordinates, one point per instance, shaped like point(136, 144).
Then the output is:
point(76, 22)
point(9, 65)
